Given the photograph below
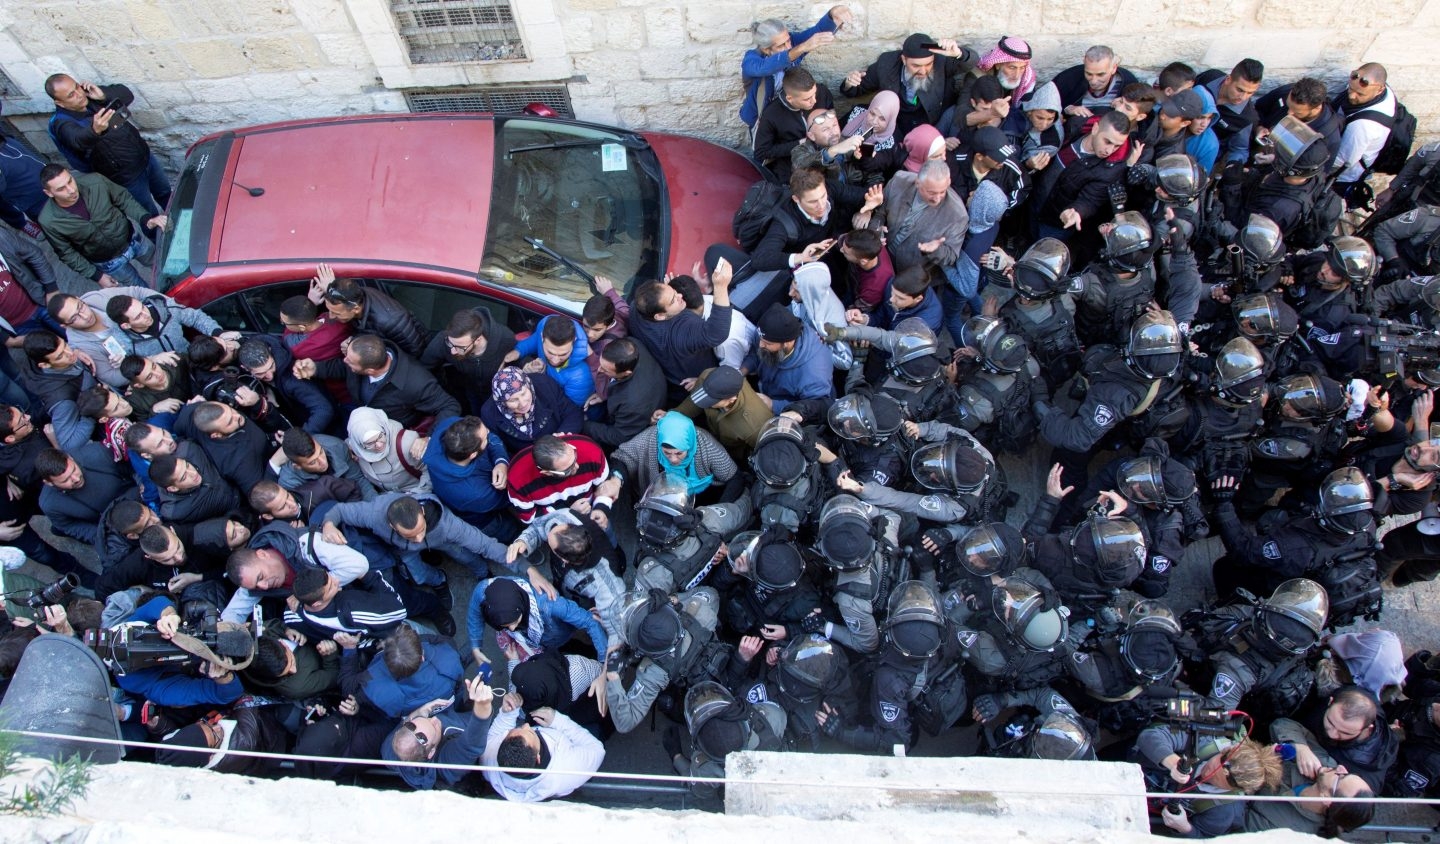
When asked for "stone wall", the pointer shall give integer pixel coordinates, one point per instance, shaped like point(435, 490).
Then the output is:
point(203, 65)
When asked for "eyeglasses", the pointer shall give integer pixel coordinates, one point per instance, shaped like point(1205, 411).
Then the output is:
point(458, 349)
point(1364, 83)
point(80, 308)
point(420, 737)
point(821, 119)
point(567, 471)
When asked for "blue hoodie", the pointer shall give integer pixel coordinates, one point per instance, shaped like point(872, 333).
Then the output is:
point(466, 490)
point(437, 678)
point(575, 376)
point(808, 373)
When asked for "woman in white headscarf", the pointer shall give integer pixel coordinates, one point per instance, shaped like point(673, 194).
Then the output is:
point(386, 452)
point(815, 304)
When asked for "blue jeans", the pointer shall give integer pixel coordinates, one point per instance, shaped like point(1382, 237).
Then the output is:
point(140, 249)
point(151, 188)
point(959, 305)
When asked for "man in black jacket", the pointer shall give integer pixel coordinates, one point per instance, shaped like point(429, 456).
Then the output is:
point(782, 124)
point(804, 228)
point(92, 127)
point(267, 360)
point(682, 343)
point(1076, 185)
point(235, 445)
point(78, 487)
point(191, 489)
point(1089, 88)
point(1304, 100)
point(637, 388)
point(380, 375)
point(927, 75)
point(370, 311)
point(467, 354)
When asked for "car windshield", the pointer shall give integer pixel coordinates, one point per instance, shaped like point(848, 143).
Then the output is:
point(586, 194)
point(174, 251)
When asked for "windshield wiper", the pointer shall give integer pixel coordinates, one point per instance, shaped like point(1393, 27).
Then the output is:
point(629, 140)
point(539, 246)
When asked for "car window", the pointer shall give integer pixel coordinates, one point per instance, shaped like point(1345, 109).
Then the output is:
point(256, 309)
point(434, 305)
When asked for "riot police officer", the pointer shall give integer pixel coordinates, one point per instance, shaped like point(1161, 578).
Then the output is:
point(719, 724)
point(1225, 418)
point(1415, 300)
point(1042, 310)
point(959, 475)
point(994, 370)
point(786, 463)
point(1295, 193)
point(1021, 642)
point(669, 642)
point(681, 543)
point(1116, 666)
point(808, 673)
point(764, 588)
point(1253, 264)
point(860, 544)
point(1326, 293)
point(1303, 435)
point(866, 427)
point(1409, 245)
point(914, 373)
point(1120, 285)
point(1268, 321)
point(1044, 726)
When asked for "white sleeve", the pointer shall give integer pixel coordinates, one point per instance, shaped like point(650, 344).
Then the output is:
point(240, 606)
point(347, 564)
point(584, 753)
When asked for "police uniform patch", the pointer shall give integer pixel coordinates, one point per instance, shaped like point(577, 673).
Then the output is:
point(853, 624)
point(1160, 563)
point(1079, 657)
point(931, 503)
point(1104, 416)
point(967, 638)
point(889, 712)
point(756, 693)
point(1270, 550)
point(1416, 780)
point(1059, 703)
point(1410, 216)
point(1224, 685)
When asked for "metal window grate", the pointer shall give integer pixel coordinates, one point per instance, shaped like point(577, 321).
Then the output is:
point(8, 88)
point(497, 100)
point(458, 30)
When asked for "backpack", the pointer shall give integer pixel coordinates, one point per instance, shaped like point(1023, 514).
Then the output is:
point(757, 210)
point(1014, 427)
point(1402, 137)
point(76, 163)
point(944, 702)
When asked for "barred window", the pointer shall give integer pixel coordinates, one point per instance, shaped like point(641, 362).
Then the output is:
point(497, 99)
point(437, 31)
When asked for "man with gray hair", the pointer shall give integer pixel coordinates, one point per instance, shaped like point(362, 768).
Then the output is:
point(927, 224)
point(776, 50)
point(1090, 87)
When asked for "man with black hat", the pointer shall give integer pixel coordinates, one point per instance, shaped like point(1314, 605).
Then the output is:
point(734, 412)
point(1171, 128)
point(927, 75)
point(764, 588)
point(986, 177)
point(791, 365)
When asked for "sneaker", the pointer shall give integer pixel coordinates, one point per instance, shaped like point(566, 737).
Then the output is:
point(444, 623)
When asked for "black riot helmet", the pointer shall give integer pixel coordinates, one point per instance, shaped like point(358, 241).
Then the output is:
point(866, 419)
point(666, 512)
point(1346, 501)
point(959, 464)
point(1062, 735)
point(719, 724)
point(1000, 351)
point(1043, 271)
point(991, 548)
point(845, 537)
point(1299, 150)
point(1129, 243)
point(1239, 372)
point(1265, 316)
point(1261, 242)
point(1113, 549)
point(914, 625)
point(770, 563)
point(650, 627)
point(1313, 398)
point(915, 358)
point(806, 666)
point(1155, 345)
point(1294, 616)
point(1147, 645)
point(1352, 259)
point(1155, 480)
point(779, 458)
point(1180, 176)
point(1020, 608)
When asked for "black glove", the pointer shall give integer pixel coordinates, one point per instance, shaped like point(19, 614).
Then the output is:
point(939, 537)
point(832, 725)
point(1223, 494)
point(813, 623)
point(987, 707)
point(1395, 269)
point(617, 659)
point(658, 598)
point(1179, 238)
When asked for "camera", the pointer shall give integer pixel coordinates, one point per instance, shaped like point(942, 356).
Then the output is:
point(55, 593)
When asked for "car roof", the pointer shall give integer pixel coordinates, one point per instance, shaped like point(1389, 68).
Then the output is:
point(397, 189)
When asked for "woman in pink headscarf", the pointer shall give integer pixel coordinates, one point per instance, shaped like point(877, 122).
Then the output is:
point(924, 143)
point(1009, 61)
point(881, 154)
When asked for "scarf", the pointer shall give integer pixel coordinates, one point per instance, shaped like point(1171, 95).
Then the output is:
point(678, 432)
point(920, 144)
point(1010, 49)
point(886, 103)
point(506, 383)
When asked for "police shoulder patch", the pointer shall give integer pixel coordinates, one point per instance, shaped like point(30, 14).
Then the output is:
point(756, 693)
point(1079, 657)
point(1160, 563)
point(1410, 216)
point(1104, 416)
point(1224, 686)
point(1416, 780)
point(967, 638)
point(1270, 550)
point(889, 712)
point(931, 503)
point(853, 623)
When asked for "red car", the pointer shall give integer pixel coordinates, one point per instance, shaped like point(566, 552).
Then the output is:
point(442, 211)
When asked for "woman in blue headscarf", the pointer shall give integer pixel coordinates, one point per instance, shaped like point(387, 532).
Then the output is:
point(674, 447)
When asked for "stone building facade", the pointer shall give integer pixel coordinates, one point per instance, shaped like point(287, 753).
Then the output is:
point(203, 65)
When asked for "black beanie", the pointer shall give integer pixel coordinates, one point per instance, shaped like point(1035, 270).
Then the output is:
point(658, 632)
point(191, 736)
point(504, 602)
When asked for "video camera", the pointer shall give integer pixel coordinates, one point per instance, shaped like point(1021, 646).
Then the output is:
point(136, 647)
point(1393, 348)
point(1192, 713)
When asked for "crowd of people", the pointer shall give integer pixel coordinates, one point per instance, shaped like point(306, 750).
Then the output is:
point(764, 500)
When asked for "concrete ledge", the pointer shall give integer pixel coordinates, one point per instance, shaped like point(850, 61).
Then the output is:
point(1001, 793)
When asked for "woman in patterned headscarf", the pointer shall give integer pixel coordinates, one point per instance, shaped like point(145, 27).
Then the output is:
point(522, 408)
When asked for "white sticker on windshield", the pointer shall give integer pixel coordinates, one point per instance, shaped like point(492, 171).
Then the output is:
point(612, 157)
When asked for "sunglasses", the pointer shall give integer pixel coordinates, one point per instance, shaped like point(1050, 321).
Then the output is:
point(821, 119)
point(420, 737)
point(1364, 83)
point(338, 297)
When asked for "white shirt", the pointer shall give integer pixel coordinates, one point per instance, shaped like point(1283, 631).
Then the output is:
point(572, 748)
point(1363, 139)
point(743, 336)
